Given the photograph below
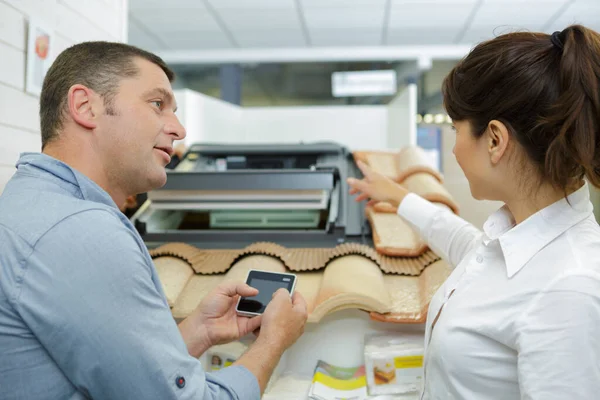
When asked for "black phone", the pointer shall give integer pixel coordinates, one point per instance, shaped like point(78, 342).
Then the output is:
point(267, 284)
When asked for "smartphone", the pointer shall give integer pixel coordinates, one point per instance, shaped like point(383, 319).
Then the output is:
point(267, 283)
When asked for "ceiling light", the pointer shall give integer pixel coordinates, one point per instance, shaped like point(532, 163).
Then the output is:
point(364, 83)
point(428, 118)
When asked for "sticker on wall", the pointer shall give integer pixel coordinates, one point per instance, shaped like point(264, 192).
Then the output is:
point(40, 42)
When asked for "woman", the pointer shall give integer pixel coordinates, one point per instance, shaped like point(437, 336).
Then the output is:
point(519, 317)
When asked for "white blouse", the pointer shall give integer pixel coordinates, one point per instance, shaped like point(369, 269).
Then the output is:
point(520, 313)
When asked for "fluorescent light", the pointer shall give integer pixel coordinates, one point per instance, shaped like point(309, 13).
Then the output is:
point(364, 83)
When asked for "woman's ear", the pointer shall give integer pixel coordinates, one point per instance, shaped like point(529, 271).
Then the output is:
point(498, 138)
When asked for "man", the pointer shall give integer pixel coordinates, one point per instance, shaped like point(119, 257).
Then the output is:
point(134, 202)
point(82, 311)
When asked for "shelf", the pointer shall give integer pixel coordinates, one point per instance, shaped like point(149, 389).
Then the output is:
point(337, 339)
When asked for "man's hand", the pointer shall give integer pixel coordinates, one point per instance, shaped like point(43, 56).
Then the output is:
point(283, 320)
point(376, 187)
point(215, 320)
point(282, 324)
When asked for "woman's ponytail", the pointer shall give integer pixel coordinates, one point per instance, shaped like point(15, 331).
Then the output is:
point(575, 151)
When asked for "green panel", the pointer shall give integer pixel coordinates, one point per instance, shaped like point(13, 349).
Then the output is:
point(266, 219)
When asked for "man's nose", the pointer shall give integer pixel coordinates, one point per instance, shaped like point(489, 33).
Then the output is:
point(174, 128)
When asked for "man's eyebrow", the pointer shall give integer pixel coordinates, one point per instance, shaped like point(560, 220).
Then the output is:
point(163, 93)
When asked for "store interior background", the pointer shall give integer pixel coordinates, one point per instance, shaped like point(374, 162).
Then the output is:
point(280, 55)
point(260, 71)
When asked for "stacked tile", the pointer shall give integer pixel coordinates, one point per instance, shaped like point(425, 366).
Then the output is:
point(349, 281)
point(208, 262)
point(392, 235)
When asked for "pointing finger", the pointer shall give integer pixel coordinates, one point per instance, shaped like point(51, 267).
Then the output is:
point(366, 171)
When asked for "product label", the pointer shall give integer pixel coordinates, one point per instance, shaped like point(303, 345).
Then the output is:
point(402, 374)
point(408, 362)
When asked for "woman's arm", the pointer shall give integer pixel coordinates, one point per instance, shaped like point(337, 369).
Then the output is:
point(447, 234)
point(450, 236)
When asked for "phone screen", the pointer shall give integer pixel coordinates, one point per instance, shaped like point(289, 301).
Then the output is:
point(266, 288)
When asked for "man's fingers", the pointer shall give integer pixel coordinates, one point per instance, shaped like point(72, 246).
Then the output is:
point(253, 323)
point(233, 289)
point(298, 302)
point(281, 292)
point(245, 290)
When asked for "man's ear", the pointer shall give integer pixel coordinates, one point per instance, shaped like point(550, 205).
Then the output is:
point(498, 138)
point(82, 105)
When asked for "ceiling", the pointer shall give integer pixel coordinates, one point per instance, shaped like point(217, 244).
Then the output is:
point(211, 29)
point(232, 24)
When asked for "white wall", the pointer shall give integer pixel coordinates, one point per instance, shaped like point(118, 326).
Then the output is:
point(402, 119)
point(208, 119)
point(73, 21)
point(357, 127)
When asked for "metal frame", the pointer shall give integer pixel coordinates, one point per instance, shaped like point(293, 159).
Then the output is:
point(252, 149)
point(301, 179)
point(226, 239)
point(345, 219)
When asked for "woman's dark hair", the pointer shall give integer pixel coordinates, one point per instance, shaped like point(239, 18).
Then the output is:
point(545, 89)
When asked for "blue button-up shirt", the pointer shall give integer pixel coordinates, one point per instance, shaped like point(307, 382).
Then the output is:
point(82, 311)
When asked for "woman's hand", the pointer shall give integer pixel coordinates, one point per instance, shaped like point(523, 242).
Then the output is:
point(376, 187)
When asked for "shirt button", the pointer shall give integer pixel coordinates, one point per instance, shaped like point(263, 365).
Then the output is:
point(180, 382)
point(479, 258)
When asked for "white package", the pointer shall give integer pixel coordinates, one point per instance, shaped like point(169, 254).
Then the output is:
point(394, 363)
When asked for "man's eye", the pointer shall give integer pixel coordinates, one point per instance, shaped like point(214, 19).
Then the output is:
point(158, 103)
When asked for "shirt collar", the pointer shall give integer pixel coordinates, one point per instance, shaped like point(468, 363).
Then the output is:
point(519, 243)
point(41, 164)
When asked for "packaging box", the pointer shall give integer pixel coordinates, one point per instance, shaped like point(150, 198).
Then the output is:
point(394, 364)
